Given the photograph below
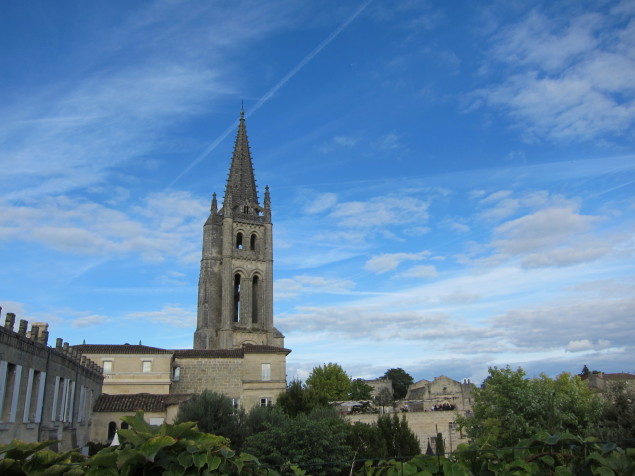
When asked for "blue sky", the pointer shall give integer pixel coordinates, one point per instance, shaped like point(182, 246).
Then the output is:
point(452, 183)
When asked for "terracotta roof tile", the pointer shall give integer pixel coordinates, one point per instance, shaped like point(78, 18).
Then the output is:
point(265, 349)
point(147, 402)
point(619, 376)
point(210, 353)
point(119, 349)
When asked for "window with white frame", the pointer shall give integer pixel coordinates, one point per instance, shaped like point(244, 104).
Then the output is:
point(265, 372)
point(34, 396)
point(10, 375)
point(266, 401)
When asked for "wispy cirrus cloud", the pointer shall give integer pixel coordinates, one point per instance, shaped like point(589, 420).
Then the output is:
point(565, 78)
point(385, 262)
point(161, 225)
point(174, 316)
point(304, 284)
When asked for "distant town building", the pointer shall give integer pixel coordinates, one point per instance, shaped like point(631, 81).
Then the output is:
point(440, 394)
point(601, 381)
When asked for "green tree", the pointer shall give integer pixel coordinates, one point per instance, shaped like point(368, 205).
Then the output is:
point(398, 438)
point(401, 380)
point(214, 413)
point(315, 444)
point(585, 372)
point(262, 418)
point(330, 381)
point(360, 390)
point(509, 407)
point(299, 399)
point(618, 415)
point(366, 441)
point(383, 398)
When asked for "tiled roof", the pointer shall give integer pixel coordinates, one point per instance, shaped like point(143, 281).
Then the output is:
point(181, 353)
point(265, 349)
point(209, 353)
point(619, 376)
point(229, 353)
point(119, 349)
point(137, 401)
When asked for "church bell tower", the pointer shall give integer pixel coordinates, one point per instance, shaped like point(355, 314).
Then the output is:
point(235, 288)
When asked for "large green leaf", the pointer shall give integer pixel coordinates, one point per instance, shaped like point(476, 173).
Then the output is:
point(151, 447)
point(129, 457)
point(138, 423)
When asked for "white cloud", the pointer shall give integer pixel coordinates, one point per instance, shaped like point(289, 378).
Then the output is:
point(586, 344)
point(87, 321)
point(162, 225)
point(380, 212)
point(568, 78)
point(544, 228)
point(292, 287)
point(389, 261)
point(338, 142)
point(321, 203)
point(170, 315)
point(422, 271)
point(567, 256)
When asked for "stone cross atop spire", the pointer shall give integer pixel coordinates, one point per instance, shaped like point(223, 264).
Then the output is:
point(241, 184)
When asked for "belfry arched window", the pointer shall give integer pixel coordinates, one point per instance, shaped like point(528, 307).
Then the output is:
point(255, 298)
point(239, 241)
point(236, 297)
point(252, 242)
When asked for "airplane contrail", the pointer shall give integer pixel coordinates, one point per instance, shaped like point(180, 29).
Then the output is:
point(273, 90)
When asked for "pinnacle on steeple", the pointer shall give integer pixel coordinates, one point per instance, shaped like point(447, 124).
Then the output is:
point(241, 184)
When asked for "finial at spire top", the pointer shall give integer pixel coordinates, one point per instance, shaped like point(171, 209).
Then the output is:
point(242, 109)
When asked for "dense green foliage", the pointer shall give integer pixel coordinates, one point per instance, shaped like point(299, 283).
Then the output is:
point(330, 381)
point(144, 449)
point(214, 413)
point(508, 407)
point(360, 390)
point(401, 380)
point(300, 399)
point(387, 438)
point(180, 449)
point(618, 417)
point(315, 442)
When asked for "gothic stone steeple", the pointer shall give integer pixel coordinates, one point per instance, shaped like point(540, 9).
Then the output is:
point(235, 290)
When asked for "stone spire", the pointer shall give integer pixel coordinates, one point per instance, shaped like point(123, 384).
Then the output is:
point(241, 184)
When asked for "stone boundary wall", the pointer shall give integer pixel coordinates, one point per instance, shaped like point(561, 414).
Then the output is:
point(425, 426)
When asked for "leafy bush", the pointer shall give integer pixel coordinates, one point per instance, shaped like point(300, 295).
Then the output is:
point(314, 444)
point(214, 413)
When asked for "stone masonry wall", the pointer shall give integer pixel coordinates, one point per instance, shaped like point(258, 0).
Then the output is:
point(218, 375)
point(425, 425)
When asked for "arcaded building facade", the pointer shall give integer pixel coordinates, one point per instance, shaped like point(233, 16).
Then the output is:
point(46, 393)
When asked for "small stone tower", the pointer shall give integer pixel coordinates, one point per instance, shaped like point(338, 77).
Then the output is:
point(235, 288)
